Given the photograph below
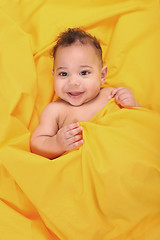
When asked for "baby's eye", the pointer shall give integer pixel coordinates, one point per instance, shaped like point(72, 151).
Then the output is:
point(63, 74)
point(84, 73)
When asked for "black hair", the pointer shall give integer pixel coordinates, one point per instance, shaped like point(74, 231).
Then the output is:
point(72, 35)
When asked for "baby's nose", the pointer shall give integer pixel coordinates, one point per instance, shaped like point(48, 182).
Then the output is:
point(74, 81)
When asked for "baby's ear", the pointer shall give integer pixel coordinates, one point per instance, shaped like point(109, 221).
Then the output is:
point(103, 74)
point(53, 72)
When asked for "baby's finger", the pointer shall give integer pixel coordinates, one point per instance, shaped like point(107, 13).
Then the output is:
point(121, 91)
point(75, 145)
point(121, 101)
point(114, 92)
point(73, 132)
point(74, 139)
point(120, 96)
point(71, 126)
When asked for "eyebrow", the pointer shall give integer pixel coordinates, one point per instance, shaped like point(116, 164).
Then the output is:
point(85, 66)
point(82, 66)
point(60, 68)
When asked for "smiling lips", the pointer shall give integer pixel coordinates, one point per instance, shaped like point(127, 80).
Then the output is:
point(75, 94)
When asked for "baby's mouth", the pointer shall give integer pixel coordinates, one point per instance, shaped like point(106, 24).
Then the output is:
point(75, 94)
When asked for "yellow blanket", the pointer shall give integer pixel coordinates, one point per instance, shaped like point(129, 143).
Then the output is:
point(109, 187)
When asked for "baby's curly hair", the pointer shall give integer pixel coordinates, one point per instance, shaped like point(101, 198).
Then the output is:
point(72, 35)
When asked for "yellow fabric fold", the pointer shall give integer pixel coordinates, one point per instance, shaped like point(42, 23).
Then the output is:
point(109, 187)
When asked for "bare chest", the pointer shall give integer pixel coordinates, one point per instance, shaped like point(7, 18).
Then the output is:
point(84, 112)
point(76, 114)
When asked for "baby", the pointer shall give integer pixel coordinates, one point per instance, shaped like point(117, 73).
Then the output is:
point(78, 75)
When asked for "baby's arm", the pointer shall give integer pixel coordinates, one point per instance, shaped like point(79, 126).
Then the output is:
point(124, 97)
point(49, 141)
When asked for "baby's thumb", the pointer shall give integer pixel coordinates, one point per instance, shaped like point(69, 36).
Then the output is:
point(110, 97)
point(112, 94)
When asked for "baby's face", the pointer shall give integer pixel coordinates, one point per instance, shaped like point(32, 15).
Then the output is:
point(78, 73)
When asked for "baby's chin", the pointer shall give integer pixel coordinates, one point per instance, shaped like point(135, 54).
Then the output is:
point(76, 104)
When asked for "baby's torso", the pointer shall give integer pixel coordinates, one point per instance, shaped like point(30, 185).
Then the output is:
point(85, 112)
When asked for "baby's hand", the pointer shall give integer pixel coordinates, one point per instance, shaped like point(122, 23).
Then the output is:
point(124, 97)
point(69, 137)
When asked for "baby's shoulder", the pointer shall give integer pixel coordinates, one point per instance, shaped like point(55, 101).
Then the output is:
point(107, 89)
point(55, 104)
point(53, 109)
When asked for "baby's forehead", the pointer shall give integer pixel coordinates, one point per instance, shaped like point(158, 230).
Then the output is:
point(87, 45)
